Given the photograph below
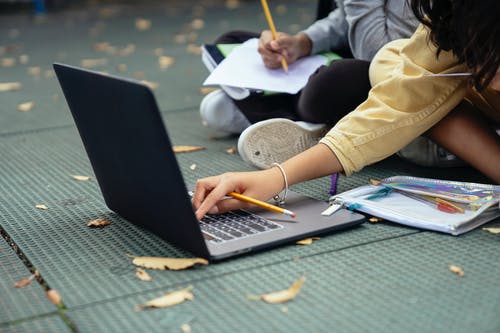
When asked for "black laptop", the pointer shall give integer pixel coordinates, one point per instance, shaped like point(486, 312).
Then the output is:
point(139, 177)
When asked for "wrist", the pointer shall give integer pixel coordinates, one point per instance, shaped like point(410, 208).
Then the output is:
point(305, 44)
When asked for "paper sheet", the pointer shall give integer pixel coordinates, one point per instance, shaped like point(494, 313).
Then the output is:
point(244, 68)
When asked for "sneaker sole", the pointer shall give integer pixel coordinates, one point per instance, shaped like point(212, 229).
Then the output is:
point(264, 143)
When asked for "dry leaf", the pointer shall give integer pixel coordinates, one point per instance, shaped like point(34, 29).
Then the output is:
point(232, 150)
point(10, 86)
point(143, 275)
point(492, 230)
point(8, 62)
point(122, 68)
point(232, 4)
point(284, 309)
point(24, 59)
point(26, 281)
point(151, 85)
point(170, 299)
point(173, 264)
point(193, 49)
point(91, 63)
point(35, 70)
point(374, 219)
point(40, 206)
point(142, 24)
point(81, 178)
point(283, 295)
point(165, 62)
point(457, 270)
point(158, 51)
point(186, 328)
point(207, 90)
point(98, 223)
point(193, 167)
point(54, 296)
point(197, 24)
point(25, 106)
point(187, 149)
point(307, 241)
point(128, 50)
point(180, 38)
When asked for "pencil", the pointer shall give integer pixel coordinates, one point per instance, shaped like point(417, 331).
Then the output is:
point(273, 30)
point(262, 204)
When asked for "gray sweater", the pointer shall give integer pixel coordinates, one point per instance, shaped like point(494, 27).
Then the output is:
point(363, 26)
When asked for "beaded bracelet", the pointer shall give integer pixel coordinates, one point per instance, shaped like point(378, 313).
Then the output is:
point(280, 199)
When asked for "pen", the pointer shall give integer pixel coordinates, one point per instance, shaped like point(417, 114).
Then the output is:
point(273, 30)
point(262, 204)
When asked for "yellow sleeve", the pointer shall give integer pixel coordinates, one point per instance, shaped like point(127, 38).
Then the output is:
point(402, 104)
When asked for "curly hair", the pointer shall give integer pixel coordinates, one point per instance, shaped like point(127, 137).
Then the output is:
point(470, 29)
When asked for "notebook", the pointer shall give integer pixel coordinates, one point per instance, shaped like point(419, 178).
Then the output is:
point(139, 177)
point(238, 69)
point(442, 205)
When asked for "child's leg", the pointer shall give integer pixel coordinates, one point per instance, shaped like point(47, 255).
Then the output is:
point(334, 91)
point(467, 135)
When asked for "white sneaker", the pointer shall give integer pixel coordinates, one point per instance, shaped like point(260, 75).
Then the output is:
point(219, 112)
point(276, 140)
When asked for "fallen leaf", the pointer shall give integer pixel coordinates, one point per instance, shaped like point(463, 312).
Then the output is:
point(193, 167)
point(207, 90)
point(25, 106)
point(193, 49)
point(283, 295)
point(180, 38)
point(40, 206)
point(91, 63)
point(232, 4)
point(34, 70)
point(143, 275)
point(457, 270)
point(186, 328)
point(142, 24)
point(102, 47)
point(24, 59)
point(284, 309)
point(163, 263)
point(151, 85)
point(165, 62)
point(187, 149)
point(492, 230)
point(122, 68)
point(98, 223)
point(54, 296)
point(81, 178)
point(8, 62)
point(128, 50)
point(158, 51)
point(374, 219)
point(281, 10)
point(169, 299)
point(307, 241)
point(197, 24)
point(26, 281)
point(10, 86)
point(232, 150)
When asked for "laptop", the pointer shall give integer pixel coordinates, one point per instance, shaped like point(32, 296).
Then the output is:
point(137, 171)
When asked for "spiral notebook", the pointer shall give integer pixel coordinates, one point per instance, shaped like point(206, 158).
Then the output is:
point(447, 206)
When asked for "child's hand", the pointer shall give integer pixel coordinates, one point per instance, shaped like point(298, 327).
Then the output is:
point(210, 192)
point(286, 46)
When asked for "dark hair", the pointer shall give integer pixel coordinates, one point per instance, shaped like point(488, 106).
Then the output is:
point(470, 29)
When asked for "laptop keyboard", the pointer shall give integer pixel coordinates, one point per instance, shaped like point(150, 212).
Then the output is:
point(234, 225)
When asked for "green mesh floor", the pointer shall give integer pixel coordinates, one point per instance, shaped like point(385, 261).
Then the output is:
point(18, 303)
point(52, 324)
point(377, 277)
point(399, 285)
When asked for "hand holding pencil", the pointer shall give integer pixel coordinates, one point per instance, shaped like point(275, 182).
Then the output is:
point(270, 21)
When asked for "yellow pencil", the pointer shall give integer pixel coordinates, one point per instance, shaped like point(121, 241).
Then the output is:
point(273, 29)
point(262, 204)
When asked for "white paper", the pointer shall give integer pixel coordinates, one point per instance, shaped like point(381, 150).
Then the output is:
point(243, 68)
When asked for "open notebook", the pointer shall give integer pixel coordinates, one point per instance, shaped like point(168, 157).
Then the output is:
point(447, 206)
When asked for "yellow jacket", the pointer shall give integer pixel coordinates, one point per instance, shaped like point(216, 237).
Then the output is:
point(404, 103)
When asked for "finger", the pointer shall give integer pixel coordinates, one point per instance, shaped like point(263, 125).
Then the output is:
point(211, 200)
point(202, 187)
